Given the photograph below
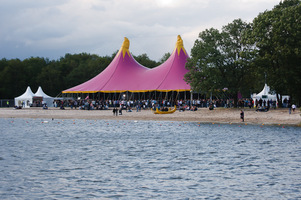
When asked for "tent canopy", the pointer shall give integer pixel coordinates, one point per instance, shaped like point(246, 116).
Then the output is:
point(40, 92)
point(265, 94)
point(124, 73)
point(26, 98)
point(27, 94)
point(46, 99)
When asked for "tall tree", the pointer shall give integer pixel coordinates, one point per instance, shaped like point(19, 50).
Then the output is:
point(33, 67)
point(51, 79)
point(277, 36)
point(220, 60)
point(12, 79)
point(144, 60)
point(164, 57)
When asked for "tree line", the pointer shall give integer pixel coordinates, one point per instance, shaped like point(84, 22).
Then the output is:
point(242, 57)
point(55, 76)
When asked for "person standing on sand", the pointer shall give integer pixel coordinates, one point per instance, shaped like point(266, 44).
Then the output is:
point(115, 111)
point(242, 115)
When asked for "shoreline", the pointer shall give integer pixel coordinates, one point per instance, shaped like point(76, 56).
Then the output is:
point(202, 115)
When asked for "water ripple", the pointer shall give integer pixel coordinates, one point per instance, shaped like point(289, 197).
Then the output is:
point(99, 159)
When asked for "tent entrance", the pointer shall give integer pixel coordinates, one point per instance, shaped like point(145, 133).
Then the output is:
point(37, 101)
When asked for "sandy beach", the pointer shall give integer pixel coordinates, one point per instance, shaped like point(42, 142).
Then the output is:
point(218, 115)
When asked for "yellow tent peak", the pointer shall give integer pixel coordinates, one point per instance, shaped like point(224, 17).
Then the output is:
point(179, 45)
point(125, 47)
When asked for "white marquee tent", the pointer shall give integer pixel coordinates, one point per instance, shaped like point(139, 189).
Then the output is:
point(267, 95)
point(46, 99)
point(25, 99)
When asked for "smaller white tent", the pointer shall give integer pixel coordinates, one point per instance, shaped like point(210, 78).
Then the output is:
point(25, 100)
point(46, 99)
point(266, 95)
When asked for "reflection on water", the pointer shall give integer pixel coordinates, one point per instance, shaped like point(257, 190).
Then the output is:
point(147, 160)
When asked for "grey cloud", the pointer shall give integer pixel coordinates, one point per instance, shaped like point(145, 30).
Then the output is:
point(51, 28)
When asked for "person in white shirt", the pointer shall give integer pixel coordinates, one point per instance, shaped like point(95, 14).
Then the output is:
point(293, 107)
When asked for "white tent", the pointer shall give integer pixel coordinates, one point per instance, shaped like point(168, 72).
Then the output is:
point(266, 95)
point(25, 100)
point(46, 99)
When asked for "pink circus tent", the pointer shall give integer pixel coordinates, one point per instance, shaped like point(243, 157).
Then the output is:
point(125, 74)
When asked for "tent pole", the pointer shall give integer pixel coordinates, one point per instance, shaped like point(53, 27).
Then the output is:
point(132, 96)
point(166, 96)
point(160, 96)
point(191, 97)
point(171, 99)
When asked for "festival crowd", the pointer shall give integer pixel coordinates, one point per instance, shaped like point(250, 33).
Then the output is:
point(90, 104)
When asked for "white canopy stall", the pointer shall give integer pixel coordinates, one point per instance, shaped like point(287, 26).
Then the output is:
point(266, 95)
point(46, 99)
point(25, 100)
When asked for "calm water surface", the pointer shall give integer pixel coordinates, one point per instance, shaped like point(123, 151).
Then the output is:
point(88, 159)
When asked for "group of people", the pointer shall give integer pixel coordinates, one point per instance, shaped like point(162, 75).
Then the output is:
point(182, 105)
point(164, 109)
point(188, 108)
point(116, 110)
point(91, 104)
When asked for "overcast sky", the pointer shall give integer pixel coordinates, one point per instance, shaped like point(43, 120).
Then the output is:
point(52, 28)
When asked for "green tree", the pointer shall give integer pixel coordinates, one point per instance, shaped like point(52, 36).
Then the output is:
point(164, 58)
point(144, 60)
point(12, 79)
point(51, 79)
point(32, 68)
point(277, 36)
point(221, 61)
point(85, 67)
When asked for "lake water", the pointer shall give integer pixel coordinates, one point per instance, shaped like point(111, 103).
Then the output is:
point(88, 159)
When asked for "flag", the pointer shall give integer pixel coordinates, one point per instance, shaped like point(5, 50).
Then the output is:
point(87, 97)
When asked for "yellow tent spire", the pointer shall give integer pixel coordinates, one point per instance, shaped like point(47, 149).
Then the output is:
point(125, 47)
point(179, 45)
